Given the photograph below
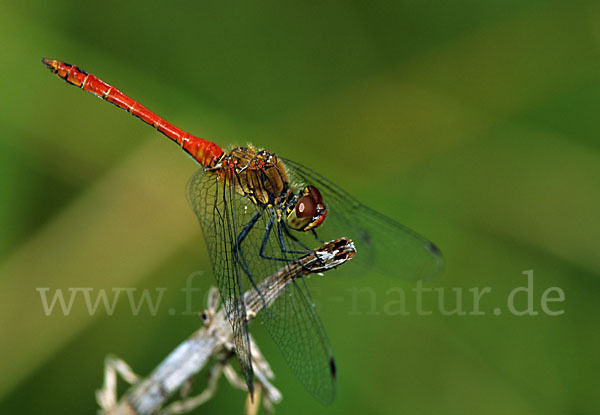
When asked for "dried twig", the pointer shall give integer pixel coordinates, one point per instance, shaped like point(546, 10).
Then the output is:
point(214, 340)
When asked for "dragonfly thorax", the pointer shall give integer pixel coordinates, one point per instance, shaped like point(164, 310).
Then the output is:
point(258, 175)
point(261, 177)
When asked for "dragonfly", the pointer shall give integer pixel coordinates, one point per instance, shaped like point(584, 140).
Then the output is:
point(258, 212)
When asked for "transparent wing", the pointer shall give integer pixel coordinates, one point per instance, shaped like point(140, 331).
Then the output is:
point(295, 326)
point(214, 205)
point(381, 242)
point(264, 248)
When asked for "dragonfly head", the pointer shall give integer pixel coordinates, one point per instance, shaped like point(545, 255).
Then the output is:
point(306, 210)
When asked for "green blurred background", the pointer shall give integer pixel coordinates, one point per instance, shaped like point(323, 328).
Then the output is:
point(475, 123)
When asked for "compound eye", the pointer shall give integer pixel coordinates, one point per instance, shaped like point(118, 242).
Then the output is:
point(316, 195)
point(306, 207)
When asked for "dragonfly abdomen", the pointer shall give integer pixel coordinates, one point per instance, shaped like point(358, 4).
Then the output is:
point(205, 152)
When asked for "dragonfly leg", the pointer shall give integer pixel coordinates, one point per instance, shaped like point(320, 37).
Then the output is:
point(316, 236)
point(263, 246)
point(269, 229)
point(240, 256)
point(281, 229)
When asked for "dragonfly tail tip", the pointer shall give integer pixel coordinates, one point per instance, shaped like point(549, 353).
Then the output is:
point(50, 64)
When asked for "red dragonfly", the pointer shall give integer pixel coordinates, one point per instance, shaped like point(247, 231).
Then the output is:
point(259, 211)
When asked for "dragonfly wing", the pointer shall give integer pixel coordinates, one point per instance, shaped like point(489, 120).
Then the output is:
point(214, 205)
point(381, 242)
point(292, 319)
point(294, 324)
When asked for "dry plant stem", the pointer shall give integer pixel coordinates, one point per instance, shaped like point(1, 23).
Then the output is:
point(187, 405)
point(150, 394)
point(252, 405)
